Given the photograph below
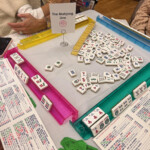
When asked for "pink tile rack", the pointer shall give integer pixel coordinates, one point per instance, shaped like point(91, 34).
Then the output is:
point(61, 109)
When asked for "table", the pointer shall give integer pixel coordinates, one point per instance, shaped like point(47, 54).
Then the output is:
point(48, 53)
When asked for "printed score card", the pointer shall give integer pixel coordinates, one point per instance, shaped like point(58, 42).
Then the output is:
point(130, 130)
point(62, 17)
point(20, 125)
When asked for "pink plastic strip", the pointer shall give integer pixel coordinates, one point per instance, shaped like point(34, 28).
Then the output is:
point(61, 109)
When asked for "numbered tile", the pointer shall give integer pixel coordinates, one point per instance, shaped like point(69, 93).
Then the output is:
point(81, 89)
point(76, 82)
point(95, 88)
point(46, 103)
point(72, 73)
point(49, 68)
point(58, 63)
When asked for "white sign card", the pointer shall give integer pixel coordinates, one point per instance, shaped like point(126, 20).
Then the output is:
point(62, 17)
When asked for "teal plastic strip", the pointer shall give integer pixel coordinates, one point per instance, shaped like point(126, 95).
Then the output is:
point(125, 32)
point(112, 99)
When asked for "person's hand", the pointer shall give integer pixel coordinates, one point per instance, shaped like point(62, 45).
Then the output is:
point(29, 25)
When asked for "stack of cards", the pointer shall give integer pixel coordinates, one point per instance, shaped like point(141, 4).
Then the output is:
point(21, 74)
point(40, 83)
point(71, 144)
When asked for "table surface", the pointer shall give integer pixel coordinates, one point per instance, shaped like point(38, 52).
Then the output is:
point(51, 51)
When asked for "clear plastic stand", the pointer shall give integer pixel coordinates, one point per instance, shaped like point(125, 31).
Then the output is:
point(63, 43)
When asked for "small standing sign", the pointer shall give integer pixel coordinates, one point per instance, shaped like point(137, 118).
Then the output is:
point(62, 19)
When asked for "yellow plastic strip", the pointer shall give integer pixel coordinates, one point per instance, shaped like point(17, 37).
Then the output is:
point(82, 38)
point(45, 36)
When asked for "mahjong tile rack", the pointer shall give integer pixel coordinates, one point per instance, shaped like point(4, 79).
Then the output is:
point(128, 89)
point(126, 32)
point(55, 102)
point(80, 21)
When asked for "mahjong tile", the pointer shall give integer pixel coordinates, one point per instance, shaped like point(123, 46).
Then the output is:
point(95, 88)
point(76, 82)
point(81, 89)
point(58, 63)
point(49, 68)
point(72, 73)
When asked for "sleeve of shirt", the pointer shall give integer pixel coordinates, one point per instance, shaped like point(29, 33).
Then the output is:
point(37, 13)
point(10, 7)
point(141, 18)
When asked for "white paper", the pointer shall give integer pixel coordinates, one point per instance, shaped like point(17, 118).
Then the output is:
point(62, 17)
point(20, 125)
point(130, 130)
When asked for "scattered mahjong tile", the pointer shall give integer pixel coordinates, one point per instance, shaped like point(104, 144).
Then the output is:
point(80, 59)
point(83, 74)
point(58, 63)
point(100, 60)
point(49, 68)
point(81, 89)
point(107, 74)
point(83, 79)
point(109, 80)
point(72, 73)
point(87, 61)
point(76, 82)
point(116, 76)
point(102, 80)
point(124, 74)
point(95, 88)
point(129, 48)
point(87, 85)
point(140, 59)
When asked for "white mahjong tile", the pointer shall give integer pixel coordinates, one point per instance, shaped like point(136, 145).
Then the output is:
point(115, 111)
point(129, 98)
point(124, 50)
point(129, 67)
point(81, 53)
point(101, 80)
point(100, 125)
point(19, 61)
point(116, 76)
point(100, 60)
point(124, 74)
point(107, 74)
point(80, 59)
point(43, 100)
point(95, 88)
point(134, 59)
point(81, 89)
point(129, 48)
point(48, 103)
point(83, 74)
point(83, 79)
point(121, 106)
point(140, 59)
point(58, 63)
point(42, 85)
point(122, 42)
point(49, 68)
point(93, 74)
point(35, 77)
point(93, 79)
point(98, 54)
point(72, 73)
point(109, 80)
point(95, 115)
point(87, 85)
point(25, 78)
point(76, 82)
point(136, 64)
point(87, 61)
point(91, 56)
point(97, 127)
point(139, 90)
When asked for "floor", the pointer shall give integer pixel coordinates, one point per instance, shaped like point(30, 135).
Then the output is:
point(119, 9)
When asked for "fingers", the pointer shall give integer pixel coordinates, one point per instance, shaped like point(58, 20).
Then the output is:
point(16, 25)
point(27, 15)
